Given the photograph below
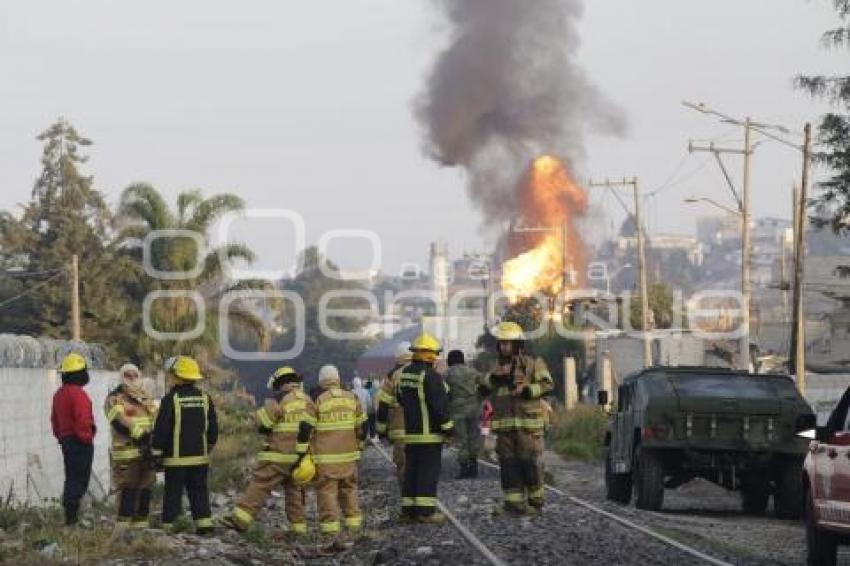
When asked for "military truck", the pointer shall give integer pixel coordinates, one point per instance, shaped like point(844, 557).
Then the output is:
point(738, 430)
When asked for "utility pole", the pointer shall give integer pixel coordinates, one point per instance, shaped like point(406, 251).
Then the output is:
point(75, 298)
point(798, 330)
point(641, 245)
point(746, 238)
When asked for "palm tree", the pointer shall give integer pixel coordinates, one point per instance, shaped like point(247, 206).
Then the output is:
point(143, 210)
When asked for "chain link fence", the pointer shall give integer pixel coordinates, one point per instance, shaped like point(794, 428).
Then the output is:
point(31, 352)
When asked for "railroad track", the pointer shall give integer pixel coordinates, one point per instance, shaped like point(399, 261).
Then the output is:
point(492, 557)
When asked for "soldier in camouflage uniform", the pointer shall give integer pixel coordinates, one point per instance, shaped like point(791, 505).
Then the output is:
point(517, 383)
point(465, 411)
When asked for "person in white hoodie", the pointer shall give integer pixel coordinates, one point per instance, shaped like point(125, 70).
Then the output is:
point(365, 398)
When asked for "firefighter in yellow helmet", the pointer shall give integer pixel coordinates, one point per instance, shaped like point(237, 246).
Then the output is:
point(184, 435)
point(517, 383)
point(286, 419)
point(423, 397)
point(336, 444)
point(390, 414)
point(130, 412)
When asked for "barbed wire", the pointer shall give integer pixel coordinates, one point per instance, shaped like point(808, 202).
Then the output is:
point(18, 351)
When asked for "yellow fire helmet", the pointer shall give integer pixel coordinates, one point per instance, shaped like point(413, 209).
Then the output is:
point(305, 471)
point(508, 331)
point(184, 368)
point(287, 373)
point(73, 362)
point(426, 343)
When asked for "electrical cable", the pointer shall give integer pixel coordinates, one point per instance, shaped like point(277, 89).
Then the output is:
point(31, 289)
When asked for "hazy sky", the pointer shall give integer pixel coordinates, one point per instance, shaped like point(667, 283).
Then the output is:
point(307, 105)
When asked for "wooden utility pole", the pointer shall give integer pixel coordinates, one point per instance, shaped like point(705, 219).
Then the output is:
point(746, 248)
point(797, 351)
point(75, 298)
point(641, 250)
point(744, 212)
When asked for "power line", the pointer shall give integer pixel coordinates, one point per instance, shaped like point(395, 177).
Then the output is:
point(31, 289)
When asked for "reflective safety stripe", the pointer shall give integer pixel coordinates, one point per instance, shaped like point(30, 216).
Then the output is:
point(338, 403)
point(336, 458)
point(380, 427)
point(503, 392)
point(396, 434)
point(285, 427)
point(329, 527)
point(296, 405)
point(423, 438)
point(354, 522)
point(242, 517)
point(536, 493)
point(407, 502)
point(204, 522)
point(301, 447)
point(277, 457)
point(517, 423)
point(363, 418)
point(535, 389)
point(299, 528)
point(140, 524)
point(309, 419)
point(264, 418)
point(338, 425)
point(513, 496)
point(186, 461)
point(116, 411)
point(448, 425)
point(425, 501)
point(124, 454)
point(385, 397)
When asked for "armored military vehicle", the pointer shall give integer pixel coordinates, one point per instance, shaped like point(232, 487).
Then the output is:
point(736, 429)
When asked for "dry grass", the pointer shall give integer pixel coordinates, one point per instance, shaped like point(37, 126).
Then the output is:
point(579, 433)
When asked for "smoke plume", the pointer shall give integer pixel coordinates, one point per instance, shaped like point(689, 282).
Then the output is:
point(506, 90)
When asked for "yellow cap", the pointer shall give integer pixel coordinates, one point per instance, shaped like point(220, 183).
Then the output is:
point(73, 362)
point(508, 331)
point(184, 367)
point(305, 471)
point(425, 343)
point(287, 372)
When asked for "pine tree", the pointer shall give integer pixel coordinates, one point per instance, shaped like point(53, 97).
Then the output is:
point(66, 215)
point(832, 200)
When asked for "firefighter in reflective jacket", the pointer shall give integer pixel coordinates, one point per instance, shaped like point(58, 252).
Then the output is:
point(423, 397)
point(286, 419)
point(336, 444)
point(390, 415)
point(184, 435)
point(130, 413)
point(516, 386)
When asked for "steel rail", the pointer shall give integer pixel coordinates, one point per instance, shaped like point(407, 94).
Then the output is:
point(470, 537)
point(630, 524)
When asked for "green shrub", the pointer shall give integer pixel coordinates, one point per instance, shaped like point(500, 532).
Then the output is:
point(579, 433)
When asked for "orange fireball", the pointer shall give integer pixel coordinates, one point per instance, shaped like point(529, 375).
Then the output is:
point(551, 203)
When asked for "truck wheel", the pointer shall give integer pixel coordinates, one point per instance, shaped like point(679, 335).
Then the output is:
point(788, 498)
point(618, 487)
point(648, 480)
point(755, 493)
point(821, 545)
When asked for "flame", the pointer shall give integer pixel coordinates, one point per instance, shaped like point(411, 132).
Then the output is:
point(552, 202)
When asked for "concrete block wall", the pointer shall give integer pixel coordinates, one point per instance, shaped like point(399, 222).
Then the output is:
point(30, 458)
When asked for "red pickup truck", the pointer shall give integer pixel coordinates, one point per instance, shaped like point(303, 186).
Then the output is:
point(826, 486)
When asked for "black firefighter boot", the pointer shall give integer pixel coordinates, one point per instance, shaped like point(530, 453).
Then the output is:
point(473, 468)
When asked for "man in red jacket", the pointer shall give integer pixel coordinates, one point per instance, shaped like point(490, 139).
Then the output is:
point(73, 427)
